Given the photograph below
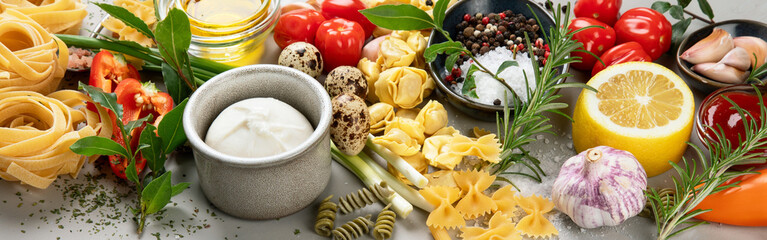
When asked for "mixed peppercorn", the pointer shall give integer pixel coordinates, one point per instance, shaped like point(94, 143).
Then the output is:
point(482, 33)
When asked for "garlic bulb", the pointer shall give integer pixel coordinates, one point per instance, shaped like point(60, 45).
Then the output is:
point(601, 186)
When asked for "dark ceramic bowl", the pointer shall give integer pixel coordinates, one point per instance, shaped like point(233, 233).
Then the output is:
point(453, 16)
point(736, 28)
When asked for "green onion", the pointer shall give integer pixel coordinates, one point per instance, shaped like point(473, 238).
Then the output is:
point(398, 163)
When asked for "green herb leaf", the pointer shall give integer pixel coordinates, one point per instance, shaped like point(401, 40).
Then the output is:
point(137, 123)
point(469, 86)
point(127, 17)
point(439, 12)
point(95, 145)
point(107, 100)
point(449, 47)
point(506, 65)
point(678, 29)
point(173, 39)
point(677, 12)
point(451, 60)
point(575, 85)
point(171, 129)
point(179, 188)
point(684, 3)
point(131, 173)
point(399, 17)
point(157, 193)
point(154, 154)
point(706, 8)
point(661, 6)
point(176, 87)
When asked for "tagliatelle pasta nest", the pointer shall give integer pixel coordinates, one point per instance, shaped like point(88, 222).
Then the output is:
point(36, 132)
point(56, 16)
point(144, 10)
point(31, 59)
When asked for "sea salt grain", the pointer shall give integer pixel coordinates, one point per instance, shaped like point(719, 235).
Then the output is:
point(488, 89)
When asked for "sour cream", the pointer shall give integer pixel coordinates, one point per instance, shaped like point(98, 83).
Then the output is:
point(258, 127)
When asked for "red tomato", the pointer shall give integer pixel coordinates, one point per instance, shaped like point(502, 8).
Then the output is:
point(139, 100)
point(340, 41)
point(627, 52)
point(595, 40)
point(647, 27)
point(348, 9)
point(606, 11)
point(297, 26)
point(108, 70)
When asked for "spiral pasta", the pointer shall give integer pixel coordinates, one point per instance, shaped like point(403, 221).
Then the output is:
point(31, 59)
point(384, 224)
point(36, 132)
point(56, 16)
point(326, 217)
point(363, 197)
point(353, 229)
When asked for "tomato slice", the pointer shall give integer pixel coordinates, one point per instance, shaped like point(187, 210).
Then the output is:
point(108, 70)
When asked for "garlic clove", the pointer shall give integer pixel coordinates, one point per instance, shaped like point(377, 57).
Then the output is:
point(754, 46)
point(738, 58)
point(721, 72)
point(710, 49)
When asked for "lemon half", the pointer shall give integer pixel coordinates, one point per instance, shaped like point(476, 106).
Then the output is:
point(641, 107)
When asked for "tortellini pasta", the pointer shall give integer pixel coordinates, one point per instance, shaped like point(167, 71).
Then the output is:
point(432, 117)
point(449, 131)
point(403, 87)
point(417, 42)
point(144, 10)
point(380, 115)
point(56, 16)
point(398, 142)
point(395, 52)
point(408, 113)
point(371, 70)
point(436, 149)
point(409, 126)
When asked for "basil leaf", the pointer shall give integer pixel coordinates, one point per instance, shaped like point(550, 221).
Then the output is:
point(469, 86)
point(706, 8)
point(131, 173)
point(127, 17)
point(173, 39)
point(677, 12)
point(399, 17)
point(683, 3)
point(95, 145)
point(171, 129)
point(157, 193)
point(176, 88)
point(678, 29)
point(448, 47)
point(506, 65)
point(137, 123)
point(179, 188)
point(450, 61)
point(661, 6)
point(439, 12)
point(154, 155)
point(107, 100)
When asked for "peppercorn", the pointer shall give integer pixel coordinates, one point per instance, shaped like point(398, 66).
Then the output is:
point(467, 32)
point(480, 27)
point(466, 17)
point(484, 50)
point(429, 3)
point(497, 102)
point(459, 79)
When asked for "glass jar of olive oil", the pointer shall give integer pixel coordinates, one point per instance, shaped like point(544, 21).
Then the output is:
point(227, 31)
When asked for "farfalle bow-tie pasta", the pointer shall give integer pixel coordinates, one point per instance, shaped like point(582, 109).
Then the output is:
point(56, 16)
point(31, 59)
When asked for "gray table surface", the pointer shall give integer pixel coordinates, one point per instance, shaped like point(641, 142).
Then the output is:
point(54, 213)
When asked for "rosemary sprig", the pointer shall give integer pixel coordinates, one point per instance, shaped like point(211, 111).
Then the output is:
point(693, 185)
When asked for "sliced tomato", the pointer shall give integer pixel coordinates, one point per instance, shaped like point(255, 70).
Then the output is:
point(109, 69)
point(139, 100)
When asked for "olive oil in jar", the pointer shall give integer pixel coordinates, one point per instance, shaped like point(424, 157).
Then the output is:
point(222, 11)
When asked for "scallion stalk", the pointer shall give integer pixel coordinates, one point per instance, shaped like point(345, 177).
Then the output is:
point(398, 163)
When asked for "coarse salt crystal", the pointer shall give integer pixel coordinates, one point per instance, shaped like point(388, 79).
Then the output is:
point(489, 89)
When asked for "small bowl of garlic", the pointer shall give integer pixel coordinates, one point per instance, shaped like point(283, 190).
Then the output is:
point(722, 54)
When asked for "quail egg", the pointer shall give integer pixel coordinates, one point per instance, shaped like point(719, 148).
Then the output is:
point(302, 56)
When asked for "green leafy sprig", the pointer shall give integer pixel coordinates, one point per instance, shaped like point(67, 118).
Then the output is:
point(694, 185)
point(677, 12)
point(154, 189)
point(517, 129)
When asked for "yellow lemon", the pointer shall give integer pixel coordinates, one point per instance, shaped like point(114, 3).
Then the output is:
point(640, 107)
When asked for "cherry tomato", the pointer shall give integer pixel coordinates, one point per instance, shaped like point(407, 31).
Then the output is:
point(297, 26)
point(595, 40)
point(647, 27)
point(348, 9)
point(606, 11)
point(340, 41)
point(108, 70)
point(622, 53)
point(139, 100)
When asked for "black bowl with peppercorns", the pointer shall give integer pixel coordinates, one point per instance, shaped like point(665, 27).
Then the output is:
point(482, 26)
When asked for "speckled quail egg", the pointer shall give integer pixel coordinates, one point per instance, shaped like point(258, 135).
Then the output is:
point(346, 79)
point(351, 123)
point(302, 56)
